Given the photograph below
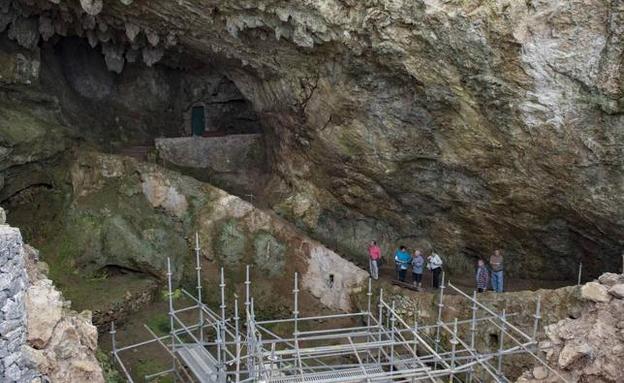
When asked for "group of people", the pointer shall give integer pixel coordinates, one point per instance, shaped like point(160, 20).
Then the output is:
point(494, 274)
point(404, 261)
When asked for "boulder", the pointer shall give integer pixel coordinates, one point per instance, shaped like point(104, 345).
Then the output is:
point(610, 279)
point(44, 308)
point(540, 372)
point(571, 353)
point(595, 292)
point(617, 291)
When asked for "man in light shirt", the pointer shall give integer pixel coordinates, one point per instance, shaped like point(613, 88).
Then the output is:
point(435, 265)
point(496, 264)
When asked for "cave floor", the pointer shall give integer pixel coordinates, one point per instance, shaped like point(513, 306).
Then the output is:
point(467, 282)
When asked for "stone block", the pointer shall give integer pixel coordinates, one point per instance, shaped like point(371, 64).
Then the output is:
point(44, 307)
point(595, 292)
point(9, 325)
point(572, 353)
point(617, 291)
point(13, 373)
point(610, 279)
point(14, 307)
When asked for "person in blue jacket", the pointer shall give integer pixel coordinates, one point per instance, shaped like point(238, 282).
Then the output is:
point(402, 260)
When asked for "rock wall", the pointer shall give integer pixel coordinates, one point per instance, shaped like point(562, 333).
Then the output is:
point(464, 125)
point(40, 338)
point(135, 215)
point(62, 343)
point(467, 125)
point(14, 365)
point(236, 163)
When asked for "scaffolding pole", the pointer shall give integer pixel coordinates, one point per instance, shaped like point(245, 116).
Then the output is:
point(374, 348)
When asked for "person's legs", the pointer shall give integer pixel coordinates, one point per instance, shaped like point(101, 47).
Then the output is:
point(402, 273)
point(418, 280)
point(497, 281)
point(494, 280)
point(479, 290)
point(500, 282)
point(436, 277)
point(374, 269)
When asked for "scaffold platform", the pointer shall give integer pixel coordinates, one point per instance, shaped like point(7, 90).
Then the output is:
point(379, 347)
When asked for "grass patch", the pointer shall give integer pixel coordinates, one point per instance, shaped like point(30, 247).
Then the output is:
point(160, 324)
point(148, 367)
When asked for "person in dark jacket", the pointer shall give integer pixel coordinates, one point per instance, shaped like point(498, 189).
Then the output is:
point(483, 276)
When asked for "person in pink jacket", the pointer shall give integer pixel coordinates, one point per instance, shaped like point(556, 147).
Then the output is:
point(374, 254)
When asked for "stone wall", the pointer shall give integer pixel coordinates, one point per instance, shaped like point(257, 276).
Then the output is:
point(13, 283)
point(41, 340)
point(224, 154)
point(236, 162)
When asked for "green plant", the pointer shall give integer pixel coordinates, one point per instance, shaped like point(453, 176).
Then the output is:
point(160, 324)
point(111, 375)
point(175, 294)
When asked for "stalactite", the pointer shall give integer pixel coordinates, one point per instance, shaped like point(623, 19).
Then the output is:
point(46, 27)
point(152, 55)
point(25, 32)
point(92, 7)
point(114, 57)
point(132, 31)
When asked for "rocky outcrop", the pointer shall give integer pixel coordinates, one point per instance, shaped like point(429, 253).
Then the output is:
point(589, 347)
point(155, 213)
point(41, 339)
point(61, 342)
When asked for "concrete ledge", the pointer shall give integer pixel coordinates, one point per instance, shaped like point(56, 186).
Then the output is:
point(226, 154)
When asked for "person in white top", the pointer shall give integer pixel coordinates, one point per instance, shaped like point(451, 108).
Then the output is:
point(435, 265)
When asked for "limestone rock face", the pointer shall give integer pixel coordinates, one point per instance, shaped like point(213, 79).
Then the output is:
point(135, 215)
point(465, 125)
point(40, 338)
point(469, 125)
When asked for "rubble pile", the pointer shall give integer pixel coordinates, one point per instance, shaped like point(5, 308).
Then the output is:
point(589, 348)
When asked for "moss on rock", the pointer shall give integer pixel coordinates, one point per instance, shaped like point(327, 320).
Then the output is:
point(231, 243)
point(269, 253)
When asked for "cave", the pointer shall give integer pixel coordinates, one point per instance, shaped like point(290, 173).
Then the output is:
point(288, 136)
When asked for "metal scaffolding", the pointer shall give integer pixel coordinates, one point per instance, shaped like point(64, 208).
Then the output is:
point(378, 346)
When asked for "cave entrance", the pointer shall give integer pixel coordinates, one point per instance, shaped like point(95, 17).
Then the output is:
point(198, 120)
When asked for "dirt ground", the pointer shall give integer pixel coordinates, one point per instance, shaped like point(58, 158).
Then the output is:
point(467, 282)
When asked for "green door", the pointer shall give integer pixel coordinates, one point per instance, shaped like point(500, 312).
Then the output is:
point(198, 120)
